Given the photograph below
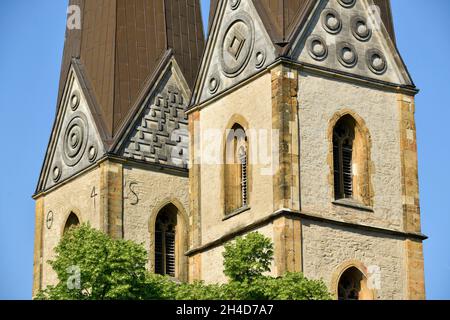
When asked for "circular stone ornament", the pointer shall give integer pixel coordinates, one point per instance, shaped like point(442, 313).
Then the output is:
point(347, 3)
point(56, 173)
point(75, 100)
point(214, 84)
point(317, 48)
point(260, 58)
point(237, 45)
point(331, 21)
point(92, 152)
point(75, 139)
point(361, 29)
point(234, 4)
point(376, 61)
point(347, 54)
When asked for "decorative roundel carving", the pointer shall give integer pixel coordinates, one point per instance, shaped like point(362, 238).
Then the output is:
point(347, 54)
point(49, 220)
point(317, 48)
point(331, 21)
point(361, 29)
point(260, 58)
point(347, 3)
point(75, 139)
point(92, 152)
point(56, 173)
point(235, 4)
point(214, 84)
point(237, 45)
point(75, 100)
point(376, 61)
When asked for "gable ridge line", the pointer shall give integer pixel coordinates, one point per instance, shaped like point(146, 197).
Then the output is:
point(92, 102)
point(51, 144)
point(209, 48)
point(213, 39)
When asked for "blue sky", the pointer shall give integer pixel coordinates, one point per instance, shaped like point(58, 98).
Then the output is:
point(32, 38)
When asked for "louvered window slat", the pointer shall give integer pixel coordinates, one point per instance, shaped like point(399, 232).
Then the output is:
point(165, 246)
point(159, 263)
point(244, 178)
point(343, 161)
point(170, 254)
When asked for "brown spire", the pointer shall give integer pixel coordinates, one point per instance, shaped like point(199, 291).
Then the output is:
point(121, 43)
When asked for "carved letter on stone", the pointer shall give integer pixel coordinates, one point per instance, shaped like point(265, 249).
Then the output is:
point(94, 195)
point(133, 192)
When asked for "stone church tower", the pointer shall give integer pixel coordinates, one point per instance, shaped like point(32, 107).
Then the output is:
point(295, 119)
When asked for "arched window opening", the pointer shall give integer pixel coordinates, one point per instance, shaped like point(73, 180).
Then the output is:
point(236, 170)
point(71, 222)
point(343, 146)
point(353, 285)
point(351, 161)
point(165, 241)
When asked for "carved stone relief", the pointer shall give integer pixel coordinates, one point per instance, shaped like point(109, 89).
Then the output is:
point(237, 45)
point(343, 36)
point(161, 135)
point(77, 144)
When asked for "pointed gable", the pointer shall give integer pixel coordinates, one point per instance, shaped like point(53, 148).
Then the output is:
point(76, 141)
point(238, 47)
point(349, 36)
point(282, 18)
point(158, 131)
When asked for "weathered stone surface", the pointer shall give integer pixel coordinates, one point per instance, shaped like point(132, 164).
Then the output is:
point(326, 247)
point(80, 196)
point(146, 192)
point(379, 111)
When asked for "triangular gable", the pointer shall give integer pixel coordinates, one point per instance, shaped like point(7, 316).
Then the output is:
point(349, 36)
point(158, 130)
point(238, 47)
point(75, 142)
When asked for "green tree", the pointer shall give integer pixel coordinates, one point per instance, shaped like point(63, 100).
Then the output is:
point(248, 258)
point(92, 266)
point(245, 262)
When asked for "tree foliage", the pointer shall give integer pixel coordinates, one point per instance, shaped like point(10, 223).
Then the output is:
point(248, 258)
point(116, 269)
point(107, 268)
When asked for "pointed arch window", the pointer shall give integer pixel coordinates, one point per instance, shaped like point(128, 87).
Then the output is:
point(351, 162)
point(165, 241)
point(236, 170)
point(343, 141)
point(353, 286)
point(71, 222)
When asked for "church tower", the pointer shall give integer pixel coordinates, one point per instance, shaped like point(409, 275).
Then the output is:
point(295, 120)
point(117, 156)
point(302, 118)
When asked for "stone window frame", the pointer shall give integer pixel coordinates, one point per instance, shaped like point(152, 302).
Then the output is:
point(69, 212)
point(236, 120)
point(369, 294)
point(363, 192)
point(181, 238)
point(166, 228)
